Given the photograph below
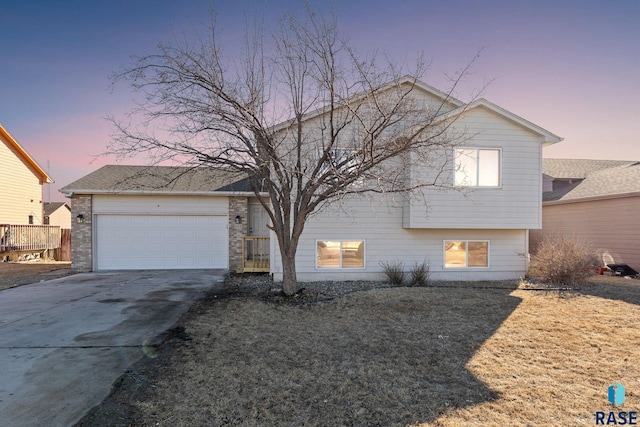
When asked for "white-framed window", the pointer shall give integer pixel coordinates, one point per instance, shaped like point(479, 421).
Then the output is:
point(466, 253)
point(478, 167)
point(340, 253)
point(340, 160)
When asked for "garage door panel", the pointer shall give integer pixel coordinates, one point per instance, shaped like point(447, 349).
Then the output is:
point(160, 242)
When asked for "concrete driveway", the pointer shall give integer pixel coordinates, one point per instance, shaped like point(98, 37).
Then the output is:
point(64, 342)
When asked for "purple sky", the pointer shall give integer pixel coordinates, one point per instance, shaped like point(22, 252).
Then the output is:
point(572, 67)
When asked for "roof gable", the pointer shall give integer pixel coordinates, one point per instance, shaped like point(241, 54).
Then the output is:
point(51, 207)
point(548, 138)
point(453, 108)
point(407, 80)
point(25, 157)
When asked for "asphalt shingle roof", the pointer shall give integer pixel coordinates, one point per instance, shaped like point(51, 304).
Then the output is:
point(158, 179)
point(578, 168)
point(51, 207)
point(594, 178)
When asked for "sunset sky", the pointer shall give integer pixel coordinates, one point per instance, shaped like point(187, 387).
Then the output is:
point(572, 67)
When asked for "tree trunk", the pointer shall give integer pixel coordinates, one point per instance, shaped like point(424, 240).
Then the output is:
point(289, 280)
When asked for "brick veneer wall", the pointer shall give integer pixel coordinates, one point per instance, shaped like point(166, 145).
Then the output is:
point(81, 234)
point(237, 206)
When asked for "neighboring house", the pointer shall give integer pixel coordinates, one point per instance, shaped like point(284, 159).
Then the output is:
point(153, 217)
point(21, 184)
point(598, 202)
point(57, 213)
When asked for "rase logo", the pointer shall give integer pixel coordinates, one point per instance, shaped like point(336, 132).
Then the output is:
point(615, 395)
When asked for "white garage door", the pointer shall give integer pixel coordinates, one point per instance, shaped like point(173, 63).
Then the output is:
point(151, 242)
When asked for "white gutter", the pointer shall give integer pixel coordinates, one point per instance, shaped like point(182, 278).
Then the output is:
point(70, 194)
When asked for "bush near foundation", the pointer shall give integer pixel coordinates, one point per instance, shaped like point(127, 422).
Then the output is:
point(563, 261)
point(419, 274)
point(394, 272)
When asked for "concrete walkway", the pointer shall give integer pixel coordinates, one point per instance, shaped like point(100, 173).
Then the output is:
point(64, 342)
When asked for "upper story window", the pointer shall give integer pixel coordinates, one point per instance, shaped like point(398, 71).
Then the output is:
point(477, 167)
point(340, 160)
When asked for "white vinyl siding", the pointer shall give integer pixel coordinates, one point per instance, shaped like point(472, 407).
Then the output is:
point(188, 205)
point(20, 189)
point(517, 204)
point(378, 222)
point(315, 135)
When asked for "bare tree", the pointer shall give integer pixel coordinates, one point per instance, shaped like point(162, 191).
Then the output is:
point(299, 112)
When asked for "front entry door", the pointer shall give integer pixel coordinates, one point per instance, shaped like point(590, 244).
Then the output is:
point(258, 220)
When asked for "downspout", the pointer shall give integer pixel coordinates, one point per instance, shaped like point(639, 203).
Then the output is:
point(526, 252)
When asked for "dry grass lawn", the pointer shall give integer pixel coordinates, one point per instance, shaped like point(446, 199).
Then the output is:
point(553, 359)
point(445, 356)
point(14, 274)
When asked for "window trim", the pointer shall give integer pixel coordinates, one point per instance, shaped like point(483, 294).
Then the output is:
point(336, 153)
point(466, 266)
point(341, 267)
point(478, 149)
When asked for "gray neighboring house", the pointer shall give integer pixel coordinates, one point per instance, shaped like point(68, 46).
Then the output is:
point(597, 201)
point(151, 217)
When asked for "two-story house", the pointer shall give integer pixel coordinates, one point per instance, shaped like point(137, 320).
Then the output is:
point(21, 184)
point(473, 225)
point(21, 202)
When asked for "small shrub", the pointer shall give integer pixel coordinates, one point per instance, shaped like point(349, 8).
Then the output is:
point(419, 274)
point(394, 270)
point(562, 260)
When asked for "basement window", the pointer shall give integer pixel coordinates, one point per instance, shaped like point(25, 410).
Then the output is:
point(340, 254)
point(466, 253)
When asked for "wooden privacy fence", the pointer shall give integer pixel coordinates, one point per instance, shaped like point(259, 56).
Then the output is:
point(15, 238)
point(65, 245)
